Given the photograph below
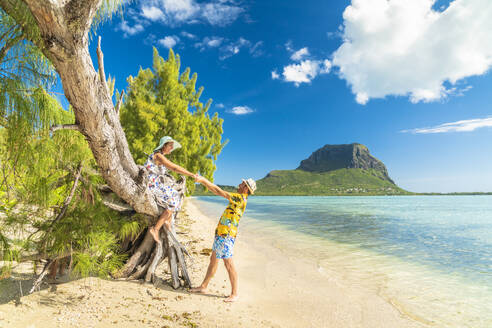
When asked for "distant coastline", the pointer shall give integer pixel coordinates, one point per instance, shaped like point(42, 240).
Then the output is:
point(334, 170)
point(453, 194)
point(199, 191)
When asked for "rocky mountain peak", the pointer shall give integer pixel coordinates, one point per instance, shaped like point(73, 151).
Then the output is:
point(334, 157)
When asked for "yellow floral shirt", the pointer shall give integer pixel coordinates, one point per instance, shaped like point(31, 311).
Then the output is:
point(229, 220)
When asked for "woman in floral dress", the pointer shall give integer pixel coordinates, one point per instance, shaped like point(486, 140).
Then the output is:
point(166, 196)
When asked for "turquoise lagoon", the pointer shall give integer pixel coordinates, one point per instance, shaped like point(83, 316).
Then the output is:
point(429, 256)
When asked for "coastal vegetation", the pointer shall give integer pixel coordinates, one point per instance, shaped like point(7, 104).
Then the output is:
point(337, 182)
point(341, 182)
point(72, 192)
point(164, 101)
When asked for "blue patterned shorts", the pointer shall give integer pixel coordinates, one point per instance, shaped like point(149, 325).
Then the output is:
point(223, 247)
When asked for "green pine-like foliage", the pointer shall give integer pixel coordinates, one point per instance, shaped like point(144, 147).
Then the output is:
point(38, 168)
point(162, 101)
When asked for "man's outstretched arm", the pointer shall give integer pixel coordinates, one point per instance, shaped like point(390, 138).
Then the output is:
point(213, 188)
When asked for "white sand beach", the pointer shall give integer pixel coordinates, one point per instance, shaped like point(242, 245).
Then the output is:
point(275, 291)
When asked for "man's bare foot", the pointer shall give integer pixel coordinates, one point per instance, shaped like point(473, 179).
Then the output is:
point(198, 290)
point(154, 234)
point(231, 299)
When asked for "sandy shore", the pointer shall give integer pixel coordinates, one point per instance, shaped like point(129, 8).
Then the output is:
point(275, 291)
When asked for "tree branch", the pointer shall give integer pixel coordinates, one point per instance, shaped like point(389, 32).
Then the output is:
point(79, 15)
point(38, 281)
point(65, 127)
point(122, 147)
point(118, 207)
point(68, 200)
point(100, 61)
point(118, 104)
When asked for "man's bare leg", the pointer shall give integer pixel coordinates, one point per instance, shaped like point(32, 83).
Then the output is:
point(164, 219)
point(212, 269)
point(231, 270)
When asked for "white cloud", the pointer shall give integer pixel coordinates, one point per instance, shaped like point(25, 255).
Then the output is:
point(256, 50)
point(405, 48)
point(288, 46)
point(362, 98)
point(459, 126)
point(188, 35)
point(325, 67)
point(130, 30)
point(209, 42)
point(152, 13)
point(233, 48)
point(299, 54)
point(169, 41)
point(304, 72)
point(177, 12)
point(301, 73)
point(334, 35)
point(228, 48)
point(241, 110)
point(220, 105)
point(221, 14)
point(214, 42)
point(171, 12)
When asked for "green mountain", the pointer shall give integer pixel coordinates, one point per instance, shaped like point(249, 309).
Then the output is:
point(333, 170)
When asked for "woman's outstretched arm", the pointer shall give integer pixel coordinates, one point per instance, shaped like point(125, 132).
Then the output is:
point(162, 160)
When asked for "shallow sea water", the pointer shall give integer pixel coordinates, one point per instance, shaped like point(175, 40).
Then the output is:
point(429, 256)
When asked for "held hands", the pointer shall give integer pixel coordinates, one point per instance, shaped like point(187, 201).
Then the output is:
point(199, 178)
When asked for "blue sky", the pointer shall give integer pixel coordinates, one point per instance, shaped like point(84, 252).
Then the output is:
point(409, 79)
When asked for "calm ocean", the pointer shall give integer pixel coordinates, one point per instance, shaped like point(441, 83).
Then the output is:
point(430, 256)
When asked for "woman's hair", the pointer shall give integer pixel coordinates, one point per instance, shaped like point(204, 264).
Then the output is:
point(160, 149)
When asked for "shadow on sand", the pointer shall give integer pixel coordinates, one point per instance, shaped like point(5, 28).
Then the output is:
point(21, 280)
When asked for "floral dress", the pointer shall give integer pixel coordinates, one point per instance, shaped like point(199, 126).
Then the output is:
point(166, 196)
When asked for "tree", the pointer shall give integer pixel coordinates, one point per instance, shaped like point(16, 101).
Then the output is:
point(60, 30)
point(163, 102)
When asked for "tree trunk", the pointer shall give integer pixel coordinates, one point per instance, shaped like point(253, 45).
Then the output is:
point(63, 38)
point(145, 254)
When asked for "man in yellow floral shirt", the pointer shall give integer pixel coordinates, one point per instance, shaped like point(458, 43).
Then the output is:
point(226, 231)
